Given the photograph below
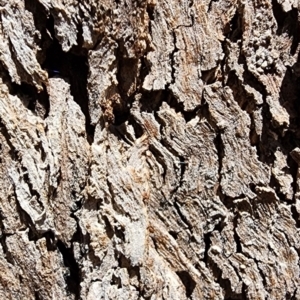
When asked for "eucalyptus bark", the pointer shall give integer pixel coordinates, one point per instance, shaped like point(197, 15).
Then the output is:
point(150, 149)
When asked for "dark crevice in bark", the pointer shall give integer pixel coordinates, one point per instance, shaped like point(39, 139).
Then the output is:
point(32, 99)
point(274, 183)
point(172, 58)
point(7, 254)
point(152, 101)
point(210, 5)
point(129, 74)
point(279, 14)
point(287, 22)
point(26, 219)
point(33, 234)
point(251, 80)
point(244, 291)
point(145, 69)
point(293, 168)
point(52, 191)
point(160, 159)
point(153, 238)
point(151, 12)
point(36, 296)
point(209, 76)
point(236, 236)
point(108, 227)
point(74, 69)
point(246, 102)
point(174, 234)
point(127, 69)
point(229, 293)
point(189, 115)
point(39, 14)
point(73, 279)
point(37, 102)
point(91, 203)
point(192, 16)
point(267, 145)
point(262, 275)
point(225, 284)
point(229, 202)
point(14, 153)
point(220, 151)
point(183, 164)
point(116, 281)
point(88, 251)
point(289, 99)
point(124, 262)
point(207, 243)
point(295, 215)
point(121, 132)
point(50, 240)
point(119, 232)
point(223, 63)
point(33, 192)
point(187, 281)
point(233, 29)
point(181, 215)
point(293, 296)
point(253, 136)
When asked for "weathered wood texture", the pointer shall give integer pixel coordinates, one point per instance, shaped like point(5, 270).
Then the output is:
point(149, 149)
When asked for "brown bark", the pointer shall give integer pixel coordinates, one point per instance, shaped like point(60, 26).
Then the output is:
point(149, 149)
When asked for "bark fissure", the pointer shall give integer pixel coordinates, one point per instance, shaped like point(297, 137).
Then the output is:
point(150, 150)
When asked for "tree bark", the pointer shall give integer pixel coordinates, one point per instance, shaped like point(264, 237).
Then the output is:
point(150, 149)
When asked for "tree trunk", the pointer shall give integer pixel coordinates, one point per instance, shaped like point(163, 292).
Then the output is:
point(149, 149)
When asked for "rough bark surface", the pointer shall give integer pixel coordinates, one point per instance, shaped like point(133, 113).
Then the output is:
point(150, 149)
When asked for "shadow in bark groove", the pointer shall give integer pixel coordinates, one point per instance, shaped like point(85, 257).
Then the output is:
point(287, 22)
point(233, 29)
point(187, 281)
point(73, 66)
point(73, 279)
point(207, 242)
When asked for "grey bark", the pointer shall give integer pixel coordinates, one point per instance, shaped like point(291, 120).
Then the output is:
point(149, 149)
